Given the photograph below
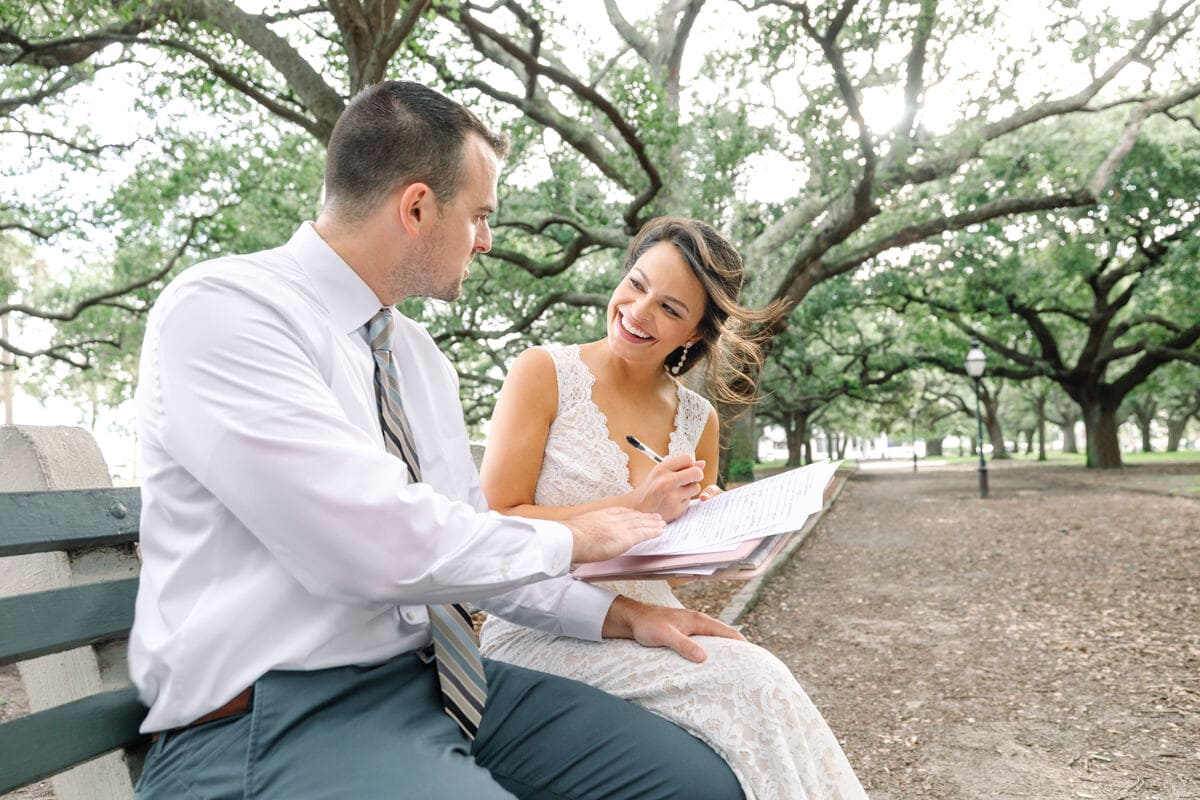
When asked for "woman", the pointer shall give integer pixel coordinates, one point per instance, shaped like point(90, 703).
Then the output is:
point(557, 448)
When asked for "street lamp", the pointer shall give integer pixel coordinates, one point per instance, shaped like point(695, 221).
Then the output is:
point(912, 433)
point(974, 364)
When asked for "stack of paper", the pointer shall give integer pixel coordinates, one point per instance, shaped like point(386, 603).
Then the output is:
point(735, 534)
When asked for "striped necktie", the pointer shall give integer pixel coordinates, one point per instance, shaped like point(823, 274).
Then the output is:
point(459, 665)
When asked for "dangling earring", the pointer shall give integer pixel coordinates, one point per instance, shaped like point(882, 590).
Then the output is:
point(682, 358)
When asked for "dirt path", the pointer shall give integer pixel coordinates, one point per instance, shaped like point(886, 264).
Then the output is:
point(1043, 643)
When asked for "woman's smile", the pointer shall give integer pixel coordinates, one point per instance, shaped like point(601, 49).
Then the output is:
point(632, 331)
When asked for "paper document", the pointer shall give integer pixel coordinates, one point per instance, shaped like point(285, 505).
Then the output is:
point(773, 505)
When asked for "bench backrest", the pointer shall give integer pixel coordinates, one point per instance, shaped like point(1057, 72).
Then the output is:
point(47, 742)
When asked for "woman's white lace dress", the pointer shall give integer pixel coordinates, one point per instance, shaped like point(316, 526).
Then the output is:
point(742, 700)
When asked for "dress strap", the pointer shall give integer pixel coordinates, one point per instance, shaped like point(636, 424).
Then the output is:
point(690, 419)
point(573, 377)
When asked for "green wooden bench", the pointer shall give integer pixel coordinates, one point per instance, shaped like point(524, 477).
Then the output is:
point(50, 741)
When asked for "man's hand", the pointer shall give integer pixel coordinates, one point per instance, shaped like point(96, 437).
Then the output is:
point(658, 626)
point(608, 532)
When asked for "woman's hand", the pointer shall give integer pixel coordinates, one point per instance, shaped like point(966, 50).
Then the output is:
point(710, 492)
point(669, 487)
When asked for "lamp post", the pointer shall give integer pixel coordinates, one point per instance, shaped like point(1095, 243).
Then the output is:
point(974, 365)
point(912, 433)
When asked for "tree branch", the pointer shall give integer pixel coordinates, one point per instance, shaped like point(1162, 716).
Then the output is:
point(1178, 348)
point(60, 352)
point(236, 82)
point(566, 298)
point(534, 67)
point(914, 82)
point(640, 44)
point(100, 299)
point(39, 233)
point(318, 97)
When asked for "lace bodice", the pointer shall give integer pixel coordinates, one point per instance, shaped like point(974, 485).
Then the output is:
point(582, 463)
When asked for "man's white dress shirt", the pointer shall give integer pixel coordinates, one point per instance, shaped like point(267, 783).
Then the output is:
point(277, 532)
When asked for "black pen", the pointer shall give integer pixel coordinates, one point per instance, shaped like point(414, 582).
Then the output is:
point(639, 446)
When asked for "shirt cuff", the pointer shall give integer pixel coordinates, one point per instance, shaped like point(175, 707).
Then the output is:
point(583, 610)
point(558, 542)
point(583, 607)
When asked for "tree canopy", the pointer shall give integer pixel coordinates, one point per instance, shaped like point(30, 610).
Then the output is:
point(880, 131)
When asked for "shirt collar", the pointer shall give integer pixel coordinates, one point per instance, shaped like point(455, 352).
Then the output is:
point(350, 302)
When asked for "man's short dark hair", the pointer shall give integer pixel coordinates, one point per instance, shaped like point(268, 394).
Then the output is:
point(393, 134)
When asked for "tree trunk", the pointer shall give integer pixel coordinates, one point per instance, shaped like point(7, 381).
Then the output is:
point(1039, 406)
point(795, 449)
point(797, 437)
point(842, 447)
point(1103, 446)
point(1069, 411)
point(808, 454)
point(996, 437)
point(1070, 444)
point(1144, 412)
point(1029, 441)
point(1177, 425)
point(738, 443)
point(933, 446)
point(991, 420)
point(1175, 429)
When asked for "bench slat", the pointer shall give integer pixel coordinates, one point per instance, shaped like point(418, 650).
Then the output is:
point(50, 741)
point(35, 624)
point(41, 522)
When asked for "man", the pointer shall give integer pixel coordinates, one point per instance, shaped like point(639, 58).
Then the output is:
point(311, 513)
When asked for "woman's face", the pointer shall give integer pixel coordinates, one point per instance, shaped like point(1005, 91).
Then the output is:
point(656, 308)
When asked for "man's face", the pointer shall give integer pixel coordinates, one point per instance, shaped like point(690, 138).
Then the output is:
point(460, 228)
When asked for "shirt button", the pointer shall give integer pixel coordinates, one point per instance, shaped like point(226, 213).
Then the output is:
point(409, 615)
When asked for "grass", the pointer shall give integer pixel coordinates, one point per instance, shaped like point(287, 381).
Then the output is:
point(1067, 459)
point(1161, 458)
point(1053, 458)
point(781, 463)
point(1182, 484)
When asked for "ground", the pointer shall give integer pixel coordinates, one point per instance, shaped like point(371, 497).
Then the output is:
point(1041, 643)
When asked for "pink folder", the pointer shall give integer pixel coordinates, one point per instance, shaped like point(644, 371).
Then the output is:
point(626, 566)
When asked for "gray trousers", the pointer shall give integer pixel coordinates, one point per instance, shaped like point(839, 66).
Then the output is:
point(367, 733)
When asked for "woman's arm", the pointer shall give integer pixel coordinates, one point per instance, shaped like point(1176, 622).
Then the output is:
point(512, 461)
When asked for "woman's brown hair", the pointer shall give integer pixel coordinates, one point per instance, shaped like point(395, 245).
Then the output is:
point(731, 335)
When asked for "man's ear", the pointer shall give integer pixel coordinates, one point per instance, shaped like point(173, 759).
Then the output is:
point(415, 207)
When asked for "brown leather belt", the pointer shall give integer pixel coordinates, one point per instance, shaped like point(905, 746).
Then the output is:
point(238, 705)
